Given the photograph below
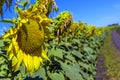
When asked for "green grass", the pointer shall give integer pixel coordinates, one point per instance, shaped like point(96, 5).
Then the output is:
point(112, 58)
point(118, 30)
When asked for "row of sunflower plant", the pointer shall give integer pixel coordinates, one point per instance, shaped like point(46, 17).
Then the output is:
point(74, 51)
point(40, 48)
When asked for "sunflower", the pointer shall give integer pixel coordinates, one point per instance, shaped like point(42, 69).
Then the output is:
point(90, 32)
point(27, 40)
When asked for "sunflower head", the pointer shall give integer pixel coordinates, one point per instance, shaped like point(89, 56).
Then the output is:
point(27, 40)
point(27, 45)
point(30, 36)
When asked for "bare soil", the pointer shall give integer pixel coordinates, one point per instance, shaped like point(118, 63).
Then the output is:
point(100, 69)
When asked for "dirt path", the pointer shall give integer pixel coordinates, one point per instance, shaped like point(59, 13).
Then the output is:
point(115, 62)
point(116, 39)
point(100, 69)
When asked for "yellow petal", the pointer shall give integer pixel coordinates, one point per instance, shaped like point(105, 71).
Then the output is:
point(14, 61)
point(11, 31)
point(47, 20)
point(20, 13)
point(20, 56)
point(15, 44)
point(43, 54)
point(8, 34)
point(11, 55)
point(41, 61)
point(30, 67)
point(16, 66)
point(9, 49)
point(37, 62)
point(25, 60)
point(24, 20)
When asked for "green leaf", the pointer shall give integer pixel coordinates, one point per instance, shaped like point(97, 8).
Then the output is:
point(91, 57)
point(76, 65)
point(71, 72)
point(77, 54)
point(1, 52)
point(70, 57)
point(88, 50)
point(85, 66)
point(55, 52)
point(22, 70)
point(4, 69)
point(1, 43)
point(56, 76)
point(40, 72)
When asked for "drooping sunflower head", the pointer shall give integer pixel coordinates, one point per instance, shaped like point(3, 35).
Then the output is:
point(27, 46)
point(27, 40)
point(30, 36)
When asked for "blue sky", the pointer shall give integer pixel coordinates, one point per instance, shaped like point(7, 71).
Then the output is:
point(94, 12)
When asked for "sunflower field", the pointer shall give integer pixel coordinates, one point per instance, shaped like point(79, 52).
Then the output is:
point(38, 47)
